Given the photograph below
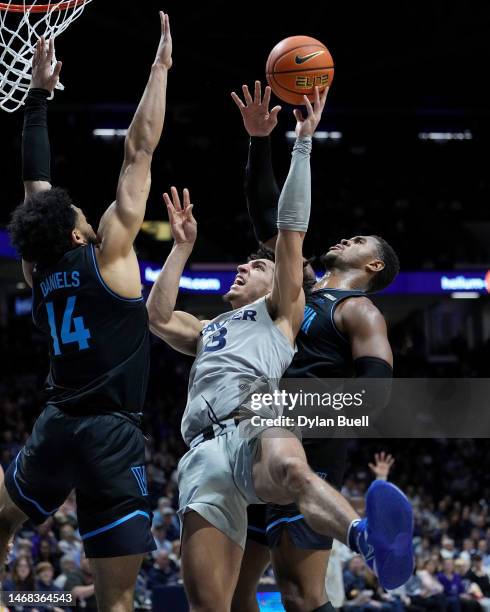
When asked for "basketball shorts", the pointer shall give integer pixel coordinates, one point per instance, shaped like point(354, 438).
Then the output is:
point(102, 457)
point(326, 457)
point(215, 480)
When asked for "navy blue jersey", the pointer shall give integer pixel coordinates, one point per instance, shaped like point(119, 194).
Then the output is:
point(98, 341)
point(323, 351)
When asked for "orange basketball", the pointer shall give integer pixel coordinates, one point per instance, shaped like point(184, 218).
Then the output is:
point(296, 65)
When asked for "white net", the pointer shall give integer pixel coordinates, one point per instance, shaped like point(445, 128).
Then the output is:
point(21, 25)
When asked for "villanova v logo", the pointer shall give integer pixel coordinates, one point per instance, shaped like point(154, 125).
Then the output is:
point(140, 474)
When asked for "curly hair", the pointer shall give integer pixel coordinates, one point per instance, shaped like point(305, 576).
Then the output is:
point(309, 279)
point(40, 228)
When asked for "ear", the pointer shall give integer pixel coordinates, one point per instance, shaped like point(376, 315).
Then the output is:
point(77, 237)
point(375, 266)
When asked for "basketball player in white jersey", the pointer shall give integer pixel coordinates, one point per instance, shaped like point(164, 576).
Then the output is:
point(224, 471)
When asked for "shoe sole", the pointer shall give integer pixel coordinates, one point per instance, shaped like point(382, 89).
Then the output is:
point(390, 531)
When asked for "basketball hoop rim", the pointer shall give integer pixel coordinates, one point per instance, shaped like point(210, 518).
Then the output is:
point(41, 8)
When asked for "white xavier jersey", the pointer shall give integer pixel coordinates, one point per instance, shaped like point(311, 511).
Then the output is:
point(236, 347)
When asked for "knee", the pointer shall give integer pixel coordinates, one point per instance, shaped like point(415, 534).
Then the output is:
point(211, 601)
point(296, 473)
point(301, 598)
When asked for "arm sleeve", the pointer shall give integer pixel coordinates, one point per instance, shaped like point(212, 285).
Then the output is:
point(36, 157)
point(261, 189)
point(379, 389)
point(295, 200)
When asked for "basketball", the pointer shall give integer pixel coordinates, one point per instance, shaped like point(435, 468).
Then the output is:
point(296, 65)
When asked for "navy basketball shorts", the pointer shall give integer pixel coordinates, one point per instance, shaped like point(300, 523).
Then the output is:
point(327, 458)
point(102, 457)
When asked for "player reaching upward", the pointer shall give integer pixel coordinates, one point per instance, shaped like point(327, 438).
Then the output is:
point(87, 300)
point(225, 470)
point(343, 334)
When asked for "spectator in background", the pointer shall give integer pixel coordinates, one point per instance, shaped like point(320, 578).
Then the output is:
point(430, 583)
point(80, 583)
point(163, 572)
point(482, 550)
point(45, 533)
point(480, 582)
point(162, 543)
point(467, 550)
point(359, 589)
point(48, 553)
point(68, 565)
point(44, 583)
point(69, 543)
point(454, 589)
point(448, 550)
point(171, 524)
point(163, 504)
point(22, 580)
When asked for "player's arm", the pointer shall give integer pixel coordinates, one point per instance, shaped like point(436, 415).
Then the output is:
point(36, 154)
point(122, 221)
point(178, 329)
point(366, 328)
point(286, 302)
point(261, 189)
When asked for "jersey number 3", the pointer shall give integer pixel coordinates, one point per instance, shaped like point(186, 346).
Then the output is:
point(68, 335)
point(217, 341)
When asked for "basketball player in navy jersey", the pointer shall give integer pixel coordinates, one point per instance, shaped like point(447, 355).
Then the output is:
point(87, 301)
point(343, 335)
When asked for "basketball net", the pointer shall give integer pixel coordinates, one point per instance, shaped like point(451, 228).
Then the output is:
point(21, 25)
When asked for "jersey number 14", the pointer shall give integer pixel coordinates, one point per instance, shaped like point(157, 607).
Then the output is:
point(72, 328)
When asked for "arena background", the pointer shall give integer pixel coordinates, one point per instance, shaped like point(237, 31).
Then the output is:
point(403, 154)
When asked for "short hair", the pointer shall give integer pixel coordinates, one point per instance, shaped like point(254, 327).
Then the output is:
point(387, 275)
point(40, 228)
point(264, 252)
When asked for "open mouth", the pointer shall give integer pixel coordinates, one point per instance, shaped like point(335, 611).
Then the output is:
point(238, 282)
point(336, 247)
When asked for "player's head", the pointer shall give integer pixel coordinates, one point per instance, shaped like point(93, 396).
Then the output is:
point(47, 225)
point(371, 256)
point(253, 280)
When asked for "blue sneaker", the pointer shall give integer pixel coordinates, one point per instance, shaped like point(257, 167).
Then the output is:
point(384, 537)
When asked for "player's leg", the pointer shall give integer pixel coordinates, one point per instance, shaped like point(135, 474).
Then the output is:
point(256, 559)
point(112, 504)
point(300, 575)
point(114, 580)
point(11, 518)
point(300, 556)
point(281, 475)
point(210, 565)
point(39, 479)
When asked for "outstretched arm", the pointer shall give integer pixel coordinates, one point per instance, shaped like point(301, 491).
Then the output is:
point(36, 154)
point(261, 190)
point(122, 220)
point(286, 302)
point(179, 329)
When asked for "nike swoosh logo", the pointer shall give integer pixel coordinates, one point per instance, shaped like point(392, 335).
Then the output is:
point(302, 59)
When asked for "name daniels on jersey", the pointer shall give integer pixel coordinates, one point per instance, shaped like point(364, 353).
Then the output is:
point(241, 315)
point(60, 280)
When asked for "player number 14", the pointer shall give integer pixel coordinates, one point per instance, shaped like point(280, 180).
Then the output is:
point(79, 334)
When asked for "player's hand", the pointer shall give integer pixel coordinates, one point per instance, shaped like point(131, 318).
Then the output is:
point(382, 466)
point(257, 118)
point(182, 223)
point(307, 126)
point(164, 52)
point(44, 75)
